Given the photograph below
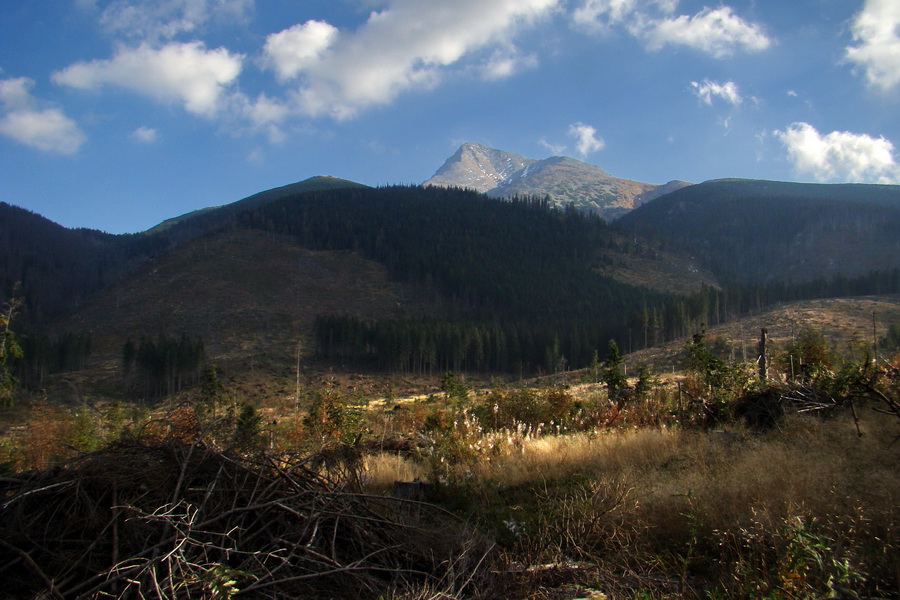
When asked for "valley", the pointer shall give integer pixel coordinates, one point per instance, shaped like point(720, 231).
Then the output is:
point(565, 371)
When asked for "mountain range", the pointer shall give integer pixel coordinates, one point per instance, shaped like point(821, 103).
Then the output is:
point(563, 180)
point(443, 276)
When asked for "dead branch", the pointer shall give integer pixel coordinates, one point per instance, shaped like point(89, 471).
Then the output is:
point(173, 520)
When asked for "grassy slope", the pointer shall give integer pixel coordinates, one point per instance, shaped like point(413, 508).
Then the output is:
point(840, 319)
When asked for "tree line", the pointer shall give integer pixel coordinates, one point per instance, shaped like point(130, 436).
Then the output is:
point(164, 365)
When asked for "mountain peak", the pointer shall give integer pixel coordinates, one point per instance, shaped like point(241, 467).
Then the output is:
point(479, 168)
point(565, 180)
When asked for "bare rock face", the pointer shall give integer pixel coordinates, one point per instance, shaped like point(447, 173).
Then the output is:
point(565, 181)
point(479, 168)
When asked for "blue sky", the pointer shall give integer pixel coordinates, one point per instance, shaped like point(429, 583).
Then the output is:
point(118, 114)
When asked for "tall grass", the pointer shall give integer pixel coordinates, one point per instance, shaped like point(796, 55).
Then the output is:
point(784, 514)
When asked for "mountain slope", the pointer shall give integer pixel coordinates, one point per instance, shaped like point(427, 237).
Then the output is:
point(566, 181)
point(313, 184)
point(423, 280)
point(59, 269)
point(452, 267)
point(245, 292)
point(478, 168)
point(56, 269)
point(761, 231)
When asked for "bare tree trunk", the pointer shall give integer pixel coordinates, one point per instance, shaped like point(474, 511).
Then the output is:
point(763, 364)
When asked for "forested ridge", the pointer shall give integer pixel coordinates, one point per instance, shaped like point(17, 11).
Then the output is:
point(749, 231)
point(521, 277)
point(55, 269)
point(521, 286)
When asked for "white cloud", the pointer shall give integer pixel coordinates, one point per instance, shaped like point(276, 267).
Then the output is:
point(876, 29)
point(708, 90)
point(586, 140)
point(840, 155)
point(47, 129)
point(186, 73)
point(602, 15)
point(15, 94)
point(506, 62)
point(298, 47)
point(718, 32)
point(262, 111)
point(146, 135)
point(165, 19)
point(408, 45)
point(554, 149)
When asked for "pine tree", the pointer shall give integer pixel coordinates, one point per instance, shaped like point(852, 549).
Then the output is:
point(613, 370)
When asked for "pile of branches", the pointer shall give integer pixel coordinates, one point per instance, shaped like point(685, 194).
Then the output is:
point(184, 520)
point(875, 387)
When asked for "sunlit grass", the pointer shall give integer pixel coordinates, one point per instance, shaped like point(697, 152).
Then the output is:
point(728, 504)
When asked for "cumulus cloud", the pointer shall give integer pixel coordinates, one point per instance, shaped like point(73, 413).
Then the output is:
point(876, 29)
point(708, 90)
point(291, 51)
point(23, 120)
point(408, 45)
point(165, 19)
point(586, 140)
point(146, 135)
point(840, 155)
point(718, 32)
point(187, 73)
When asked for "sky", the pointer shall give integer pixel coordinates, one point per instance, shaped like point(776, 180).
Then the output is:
point(118, 114)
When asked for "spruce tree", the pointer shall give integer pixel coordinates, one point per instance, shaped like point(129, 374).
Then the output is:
point(614, 370)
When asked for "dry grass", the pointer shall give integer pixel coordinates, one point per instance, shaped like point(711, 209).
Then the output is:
point(839, 319)
point(774, 513)
point(382, 470)
point(581, 455)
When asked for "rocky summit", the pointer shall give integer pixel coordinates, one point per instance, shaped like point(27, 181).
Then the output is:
point(565, 181)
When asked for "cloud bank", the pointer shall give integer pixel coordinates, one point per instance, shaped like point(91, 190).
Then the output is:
point(406, 45)
point(409, 45)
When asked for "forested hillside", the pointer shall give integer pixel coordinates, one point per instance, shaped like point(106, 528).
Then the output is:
point(58, 269)
point(750, 231)
point(511, 286)
point(520, 280)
